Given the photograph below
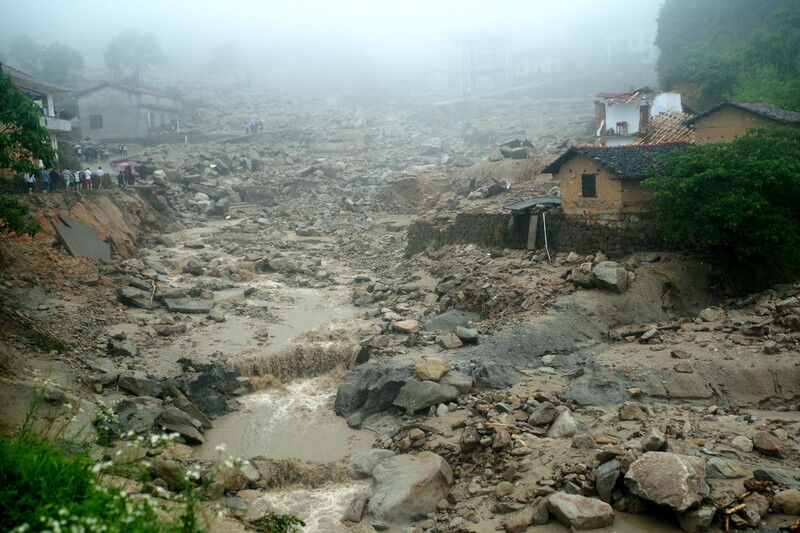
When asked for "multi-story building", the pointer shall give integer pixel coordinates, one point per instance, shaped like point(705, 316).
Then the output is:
point(41, 92)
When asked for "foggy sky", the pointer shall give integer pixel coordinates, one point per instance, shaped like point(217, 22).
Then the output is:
point(402, 34)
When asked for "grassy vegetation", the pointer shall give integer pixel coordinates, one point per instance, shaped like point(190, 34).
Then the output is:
point(43, 488)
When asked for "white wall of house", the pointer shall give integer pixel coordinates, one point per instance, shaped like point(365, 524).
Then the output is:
point(622, 112)
point(666, 102)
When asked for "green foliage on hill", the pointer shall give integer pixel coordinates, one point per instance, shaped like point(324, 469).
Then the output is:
point(718, 49)
point(737, 204)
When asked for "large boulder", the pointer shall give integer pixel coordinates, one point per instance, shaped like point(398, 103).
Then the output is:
point(363, 463)
point(137, 414)
point(451, 320)
point(140, 386)
point(580, 512)
point(416, 395)
point(408, 487)
point(173, 419)
point(610, 275)
point(668, 479)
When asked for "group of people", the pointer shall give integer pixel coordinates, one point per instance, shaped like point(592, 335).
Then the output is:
point(81, 179)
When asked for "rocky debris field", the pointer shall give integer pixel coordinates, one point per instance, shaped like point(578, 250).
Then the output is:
point(500, 389)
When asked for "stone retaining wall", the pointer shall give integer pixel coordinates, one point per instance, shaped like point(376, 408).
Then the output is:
point(614, 234)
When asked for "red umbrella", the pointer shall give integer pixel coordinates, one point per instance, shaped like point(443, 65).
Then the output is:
point(126, 164)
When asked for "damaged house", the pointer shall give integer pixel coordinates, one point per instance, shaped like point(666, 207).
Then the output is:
point(113, 111)
point(623, 117)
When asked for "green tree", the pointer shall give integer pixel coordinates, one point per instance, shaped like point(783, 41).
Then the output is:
point(132, 52)
point(22, 138)
point(737, 204)
point(718, 49)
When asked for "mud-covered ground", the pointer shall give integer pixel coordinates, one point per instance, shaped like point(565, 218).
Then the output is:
point(313, 319)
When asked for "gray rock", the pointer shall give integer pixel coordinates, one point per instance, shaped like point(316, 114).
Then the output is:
point(119, 348)
point(187, 305)
point(580, 512)
point(494, 375)
point(654, 440)
point(720, 468)
point(668, 479)
point(408, 487)
point(363, 463)
point(563, 426)
point(697, 520)
point(355, 509)
point(459, 380)
point(282, 264)
point(451, 320)
point(607, 475)
point(140, 386)
point(449, 341)
point(371, 387)
point(543, 414)
point(137, 414)
point(416, 395)
point(776, 476)
point(173, 419)
point(467, 335)
point(610, 275)
point(133, 297)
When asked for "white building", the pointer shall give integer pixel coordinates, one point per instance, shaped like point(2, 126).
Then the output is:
point(119, 112)
point(41, 92)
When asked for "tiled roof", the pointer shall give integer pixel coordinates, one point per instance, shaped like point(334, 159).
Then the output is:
point(124, 88)
point(632, 162)
point(665, 127)
point(15, 73)
point(773, 112)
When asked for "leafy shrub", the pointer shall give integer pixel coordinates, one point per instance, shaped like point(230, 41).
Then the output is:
point(14, 217)
point(736, 203)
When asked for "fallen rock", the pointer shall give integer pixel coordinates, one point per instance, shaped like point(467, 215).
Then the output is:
point(742, 443)
point(416, 395)
point(607, 475)
point(408, 487)
point(720, 468)
point(140, 386)
point(580, 512)
point(449, 341)
point(631, 411)
point(610, 275)
point(711, 314)
point(543, 414)
point(406, 326)
point(769, 445)
point(654, 440)
point(363, 463)
point(173, 419)
point(137, 414)
point(697, 520)
point(187, 305)
point(120, 348)
point(459, 380)
point(467, 335)
point(668, 479)
point(787, 502)
point(563, 426)
point(134, 297)
point(431, 368)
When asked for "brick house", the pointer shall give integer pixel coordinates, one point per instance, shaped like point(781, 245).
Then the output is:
point(604, 181)
point(732, 118)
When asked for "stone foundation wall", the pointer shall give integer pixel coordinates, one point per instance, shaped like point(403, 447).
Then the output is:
point(615, 234)
point(484, 229)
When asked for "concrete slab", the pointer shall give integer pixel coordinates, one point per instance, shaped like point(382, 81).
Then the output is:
point(81, 240)
point(187, 305)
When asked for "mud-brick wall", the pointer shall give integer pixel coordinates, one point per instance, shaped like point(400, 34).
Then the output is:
point(483, 229)
point(616, 235)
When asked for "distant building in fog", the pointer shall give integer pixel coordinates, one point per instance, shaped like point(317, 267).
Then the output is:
point(482, 60)
point(113, 111)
